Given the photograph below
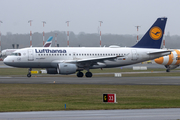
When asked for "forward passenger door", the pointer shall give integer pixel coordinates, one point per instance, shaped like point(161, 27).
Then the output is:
point(30, 55)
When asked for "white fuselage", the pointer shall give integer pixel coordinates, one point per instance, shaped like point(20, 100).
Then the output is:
point(39, 57)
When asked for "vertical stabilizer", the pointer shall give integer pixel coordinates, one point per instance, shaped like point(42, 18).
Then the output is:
point(48, 42)
point(153, 37)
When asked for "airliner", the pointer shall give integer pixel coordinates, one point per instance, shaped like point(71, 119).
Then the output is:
point(7, 52)
point(69, 60)
point(171, 61)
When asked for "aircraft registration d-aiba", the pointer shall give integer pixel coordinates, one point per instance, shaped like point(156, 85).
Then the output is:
point(69, 60)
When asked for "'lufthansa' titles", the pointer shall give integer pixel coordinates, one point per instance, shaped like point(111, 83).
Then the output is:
point(49, 51)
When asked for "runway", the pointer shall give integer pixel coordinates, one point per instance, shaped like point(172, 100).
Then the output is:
point(94, 80)
point(136, 114)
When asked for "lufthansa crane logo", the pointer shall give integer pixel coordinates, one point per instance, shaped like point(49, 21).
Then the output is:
point(155, 33)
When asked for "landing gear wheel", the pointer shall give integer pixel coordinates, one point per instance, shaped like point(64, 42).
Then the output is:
point(29, 75)
point(88, 74)
point(29, 72)
point(80, 74)
point(167, 70)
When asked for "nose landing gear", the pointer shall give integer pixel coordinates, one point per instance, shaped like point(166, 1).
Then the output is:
point(29, 73)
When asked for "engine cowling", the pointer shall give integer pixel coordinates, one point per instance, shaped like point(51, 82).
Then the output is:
point(51, 71)
point(66, 68)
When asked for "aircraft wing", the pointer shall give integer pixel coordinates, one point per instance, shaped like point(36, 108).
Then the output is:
point(88, 61)
point(158, 52)
point(98, 59)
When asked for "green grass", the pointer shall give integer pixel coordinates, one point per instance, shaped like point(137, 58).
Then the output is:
point(43, 97)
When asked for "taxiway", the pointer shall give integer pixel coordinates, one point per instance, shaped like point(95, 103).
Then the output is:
point(170, 80)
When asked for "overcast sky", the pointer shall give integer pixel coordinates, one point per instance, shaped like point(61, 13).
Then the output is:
point(118, 16)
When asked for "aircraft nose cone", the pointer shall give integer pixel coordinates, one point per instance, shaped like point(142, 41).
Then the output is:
point(159, 60)
point(6, 61)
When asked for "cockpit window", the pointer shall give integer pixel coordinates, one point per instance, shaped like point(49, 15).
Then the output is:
point(16, 54)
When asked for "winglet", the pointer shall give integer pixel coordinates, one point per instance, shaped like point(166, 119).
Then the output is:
point(48, 42)
point(153, 37)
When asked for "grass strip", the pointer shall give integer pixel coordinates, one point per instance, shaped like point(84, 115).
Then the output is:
point(45, 97)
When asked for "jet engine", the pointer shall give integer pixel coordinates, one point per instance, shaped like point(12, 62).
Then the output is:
point(66, 68)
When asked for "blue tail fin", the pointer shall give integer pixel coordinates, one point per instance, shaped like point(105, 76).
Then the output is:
point(153, 37)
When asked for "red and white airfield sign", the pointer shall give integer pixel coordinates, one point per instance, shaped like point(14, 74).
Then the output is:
point(109, 98)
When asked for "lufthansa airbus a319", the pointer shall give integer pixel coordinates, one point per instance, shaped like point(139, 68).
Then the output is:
point(69, 60)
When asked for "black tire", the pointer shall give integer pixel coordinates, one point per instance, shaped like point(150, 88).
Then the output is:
point(167, 70)
point(80, 74)
point(88, 74)
point(28, 75)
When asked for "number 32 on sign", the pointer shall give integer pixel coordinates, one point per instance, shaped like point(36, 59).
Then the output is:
point(110, 98)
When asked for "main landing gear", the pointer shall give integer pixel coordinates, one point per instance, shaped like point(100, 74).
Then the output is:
point(81, 74)
point(29, 73)
point(88, 74)
point(167, 70)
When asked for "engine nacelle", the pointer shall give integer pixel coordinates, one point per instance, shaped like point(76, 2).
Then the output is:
point(66, 68)
point(51, 71)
